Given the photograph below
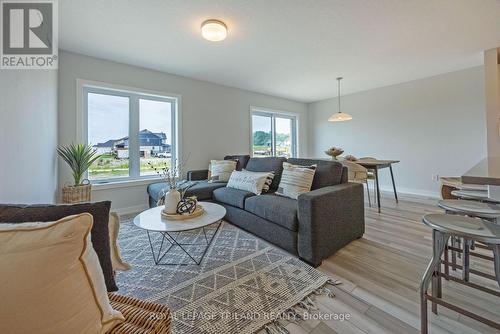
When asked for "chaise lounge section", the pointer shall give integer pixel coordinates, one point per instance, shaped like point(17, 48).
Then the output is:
point(313, 227)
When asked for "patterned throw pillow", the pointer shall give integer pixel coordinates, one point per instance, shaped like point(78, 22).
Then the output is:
point(220, 170)
point(248, 181)
point(269, 180)
point(295, 180)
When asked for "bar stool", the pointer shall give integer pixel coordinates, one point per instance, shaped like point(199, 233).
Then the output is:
point(475, 195)
point(443, 228)
point(448, 184)
point(485, 210)
point(488, 211)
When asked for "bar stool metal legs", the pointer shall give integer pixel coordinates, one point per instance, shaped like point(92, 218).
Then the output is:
point(496, 259)
point(455, 227)
point(439, 242)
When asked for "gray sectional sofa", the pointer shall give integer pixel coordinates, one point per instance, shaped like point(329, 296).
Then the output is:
point(313, 227)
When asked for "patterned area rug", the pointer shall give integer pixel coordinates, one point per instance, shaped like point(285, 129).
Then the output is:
point(242, 285)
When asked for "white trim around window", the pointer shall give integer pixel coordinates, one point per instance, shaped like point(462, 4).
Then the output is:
point(273, 114)
point(85, 87)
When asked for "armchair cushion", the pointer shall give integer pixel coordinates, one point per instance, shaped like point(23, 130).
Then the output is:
point(48, 212)
point(277, 209)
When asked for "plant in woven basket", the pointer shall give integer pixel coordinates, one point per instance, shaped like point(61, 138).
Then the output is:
point(79, 158)
point(334, 152)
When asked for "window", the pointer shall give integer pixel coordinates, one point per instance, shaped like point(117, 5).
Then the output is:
point(131, 130)
point(273, 134)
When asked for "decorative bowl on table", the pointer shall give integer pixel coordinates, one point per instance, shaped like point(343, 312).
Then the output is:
point(187, 208)
point(351, 158)
point(334, 152)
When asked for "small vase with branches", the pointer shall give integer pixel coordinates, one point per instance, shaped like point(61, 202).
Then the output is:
point(171, 175)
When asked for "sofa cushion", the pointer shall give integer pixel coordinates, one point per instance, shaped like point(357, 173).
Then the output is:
point(328, 173)
point(277, 209)
point(269, 164)
point(230, 196)
point(48, 212)
point(241, 160)
point(51, 280)
point(202, 190)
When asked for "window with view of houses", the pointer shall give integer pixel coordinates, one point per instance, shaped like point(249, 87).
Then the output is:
point(273, 134)
point(133, 133)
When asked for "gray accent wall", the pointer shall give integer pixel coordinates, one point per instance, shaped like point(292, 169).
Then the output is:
point(435, 126)
point(28, 136)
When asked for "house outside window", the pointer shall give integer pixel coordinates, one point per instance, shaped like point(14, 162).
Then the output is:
point(132, 130)
point(274, 133)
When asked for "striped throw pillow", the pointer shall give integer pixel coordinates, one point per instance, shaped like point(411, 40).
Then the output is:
point(220, 170)
point(295, 180)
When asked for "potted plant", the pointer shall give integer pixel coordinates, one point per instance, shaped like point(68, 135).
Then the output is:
point(79, 158)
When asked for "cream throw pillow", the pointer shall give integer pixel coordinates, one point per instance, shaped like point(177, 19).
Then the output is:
point(248, 181)
point(295, 180)
point(51, 281)
point(116, 258)
point(220, 170)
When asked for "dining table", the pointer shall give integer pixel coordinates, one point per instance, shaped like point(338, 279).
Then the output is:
point(374, 165)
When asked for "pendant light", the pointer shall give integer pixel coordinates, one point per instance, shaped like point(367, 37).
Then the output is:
point(339, 116)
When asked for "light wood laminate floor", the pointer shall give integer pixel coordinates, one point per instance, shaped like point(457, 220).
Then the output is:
point(381, 275)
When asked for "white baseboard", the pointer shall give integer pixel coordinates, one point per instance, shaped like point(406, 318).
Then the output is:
point(410, 191)
point(130, 209)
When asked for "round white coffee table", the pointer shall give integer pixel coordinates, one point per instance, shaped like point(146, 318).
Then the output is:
point(152, 221)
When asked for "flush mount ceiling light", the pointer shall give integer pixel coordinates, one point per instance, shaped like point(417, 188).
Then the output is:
point(214, 30)
point(339, 116)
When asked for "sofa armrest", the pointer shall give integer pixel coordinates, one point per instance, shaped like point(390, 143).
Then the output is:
point(197, 175)
point(329, 218)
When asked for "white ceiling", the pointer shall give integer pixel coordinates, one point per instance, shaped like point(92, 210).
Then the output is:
point(287, 48)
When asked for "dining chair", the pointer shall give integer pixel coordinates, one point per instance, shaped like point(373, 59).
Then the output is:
point(371, 176)
point(359, 174)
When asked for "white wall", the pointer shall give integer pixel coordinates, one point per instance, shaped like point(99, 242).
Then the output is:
point(492, 92)
point(434, 126)
point(28, 136)
point(215, 118)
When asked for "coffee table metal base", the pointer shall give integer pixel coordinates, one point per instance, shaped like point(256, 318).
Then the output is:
point(169, 237)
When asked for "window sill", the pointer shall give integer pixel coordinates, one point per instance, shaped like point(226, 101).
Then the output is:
point(124, 183)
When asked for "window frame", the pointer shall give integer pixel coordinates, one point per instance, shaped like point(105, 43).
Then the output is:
point(273, 114)
point(134, 95)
